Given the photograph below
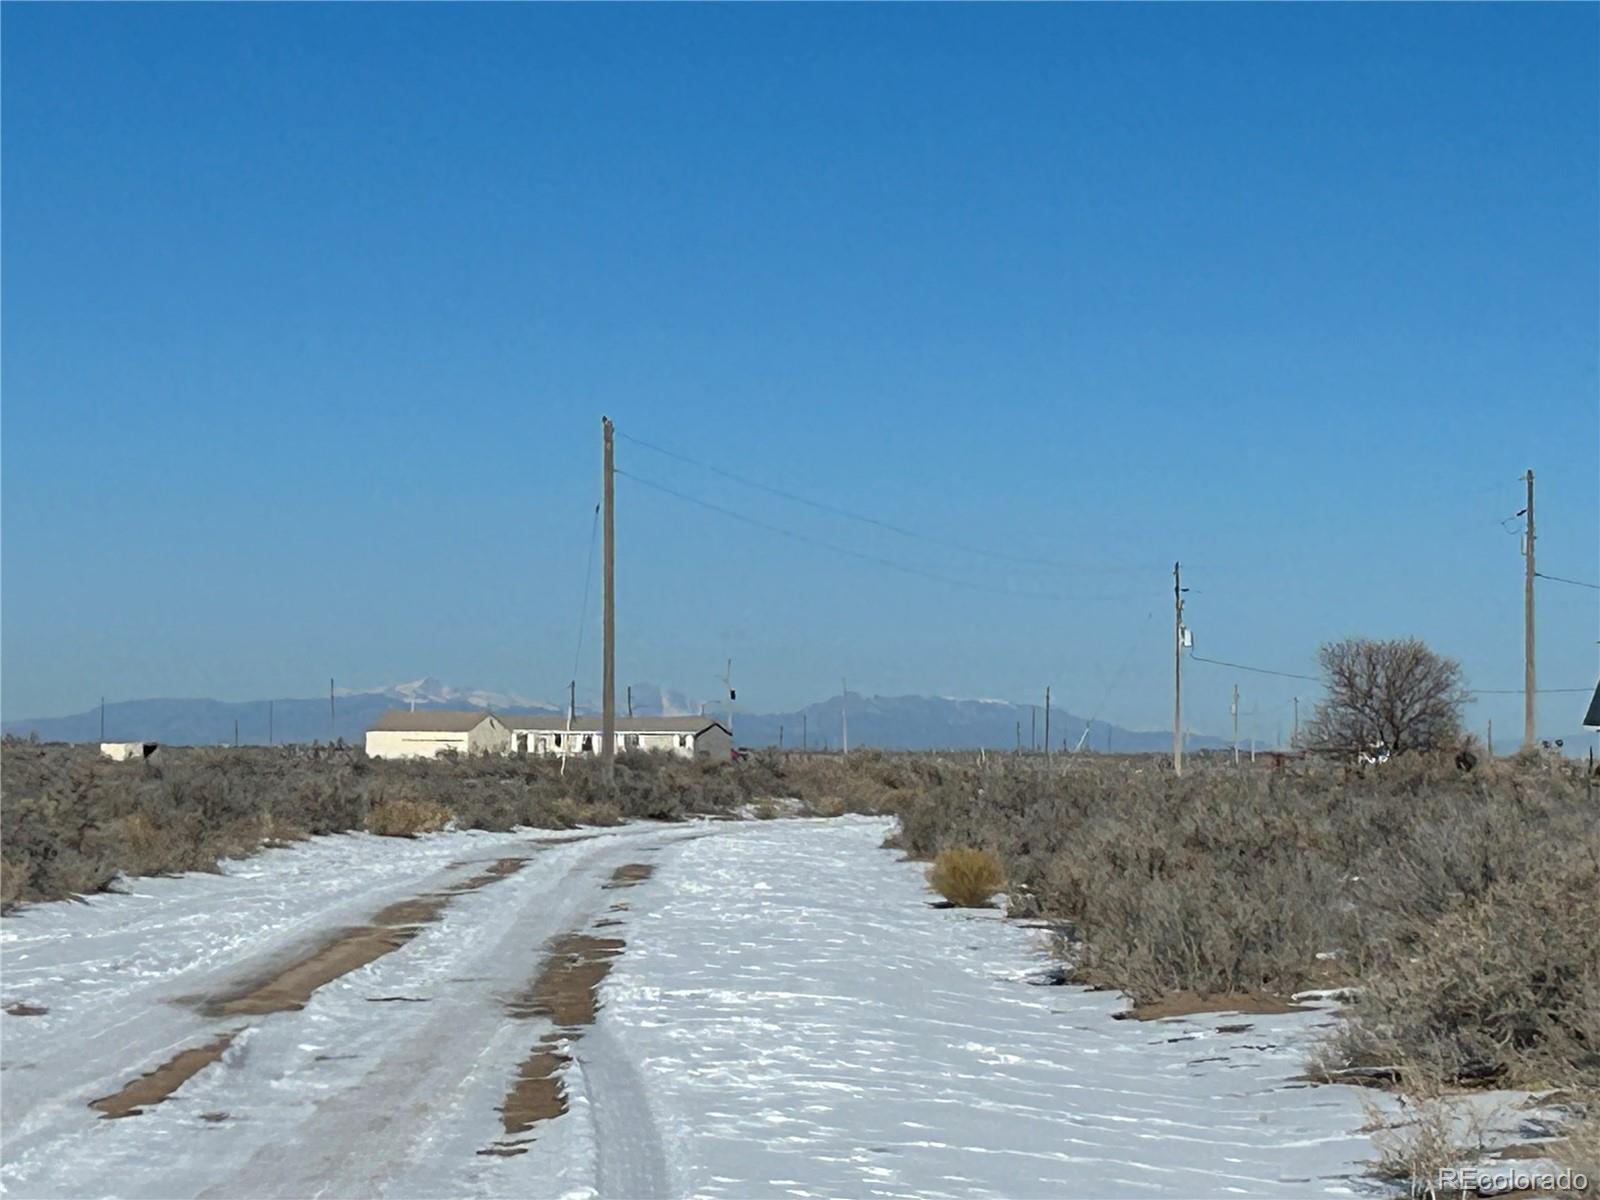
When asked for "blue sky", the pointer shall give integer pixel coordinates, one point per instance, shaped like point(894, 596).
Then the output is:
point(311, 313)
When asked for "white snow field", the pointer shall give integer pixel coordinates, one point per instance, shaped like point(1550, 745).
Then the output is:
point(789, 1017)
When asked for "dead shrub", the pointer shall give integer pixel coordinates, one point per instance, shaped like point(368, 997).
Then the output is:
point(1432, 1133)
point(405, 818)
point(13, 882)
point(966, 877)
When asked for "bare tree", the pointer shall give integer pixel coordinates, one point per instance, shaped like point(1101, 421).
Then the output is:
point(1398, 693)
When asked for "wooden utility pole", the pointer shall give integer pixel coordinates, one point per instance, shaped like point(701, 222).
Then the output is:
point(1530, 733)
point(1177, 670)
point(1019, 736)
point(1294, 738)
point(1235, 711)
point(1490, 743)
point(236, 733)
point(608, 671)
point(780, 737)
point(844, 716)
point(727, 683)
point(630, 701)
point(1047, 724)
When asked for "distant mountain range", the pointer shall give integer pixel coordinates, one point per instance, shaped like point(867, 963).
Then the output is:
point(890, 722)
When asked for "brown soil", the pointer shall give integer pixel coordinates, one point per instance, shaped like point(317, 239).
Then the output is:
point(1530, 1150)
point(214, 1117)
point(630, 873)
point(26, 1010)
point(498, 870)
point(537, 1095)
point(289, 988)
point(155, 1086)
point(564, 991)
point(566, 984)
point(1187, 1004)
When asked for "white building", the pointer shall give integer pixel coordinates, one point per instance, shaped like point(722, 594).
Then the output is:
point(400, 733)
point(687, 737)
point(124, 751)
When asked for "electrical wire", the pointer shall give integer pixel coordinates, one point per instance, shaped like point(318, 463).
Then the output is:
point(1256, 670)
point(1573, 582)
point(876, 522)
point(861, 555)
point(1523, 692)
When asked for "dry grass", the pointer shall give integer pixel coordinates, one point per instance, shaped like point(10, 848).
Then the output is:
point(1432, 1133)
point(406, 818)
point(1461, 904)
point(1579, 1150)
point(966, 877)
point(71, 821)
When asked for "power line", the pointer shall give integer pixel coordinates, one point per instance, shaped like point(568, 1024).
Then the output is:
point(1537, 691)
point(1573, 582)
point(1315, 679)
point(861, 555)
point(876, 522)
point(1256, 670)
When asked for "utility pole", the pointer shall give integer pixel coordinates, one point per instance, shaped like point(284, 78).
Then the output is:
point(333, 715)
point(844, 716)
point(1047, 746)
point(1530, 734)
point(608, 674)
point(780, 737)
point(1177, 670)
point(1235, 711)
point(236, 733)
point(630, 701)
point(1294, 738)
point(1019, 736)
point(727, 682)
point(1491, 737)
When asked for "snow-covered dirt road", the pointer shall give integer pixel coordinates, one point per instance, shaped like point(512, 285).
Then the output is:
point(781, 1013)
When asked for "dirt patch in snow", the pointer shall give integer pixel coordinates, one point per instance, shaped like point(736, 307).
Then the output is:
point(26, 1010)
point(1188, 1004)
point(536, 1095)
point(155, 1086)
point(289, 988)
point(566, 991)
point(498, 870)
point(629, 874)
point(565, 987)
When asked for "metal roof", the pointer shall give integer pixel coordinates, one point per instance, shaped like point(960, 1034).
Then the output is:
point(401, 720)
point(591, 724)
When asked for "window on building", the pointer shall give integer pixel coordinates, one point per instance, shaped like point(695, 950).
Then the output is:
point(683, 740)
point(558, 739)
point(630, 741)
point(588, 743)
